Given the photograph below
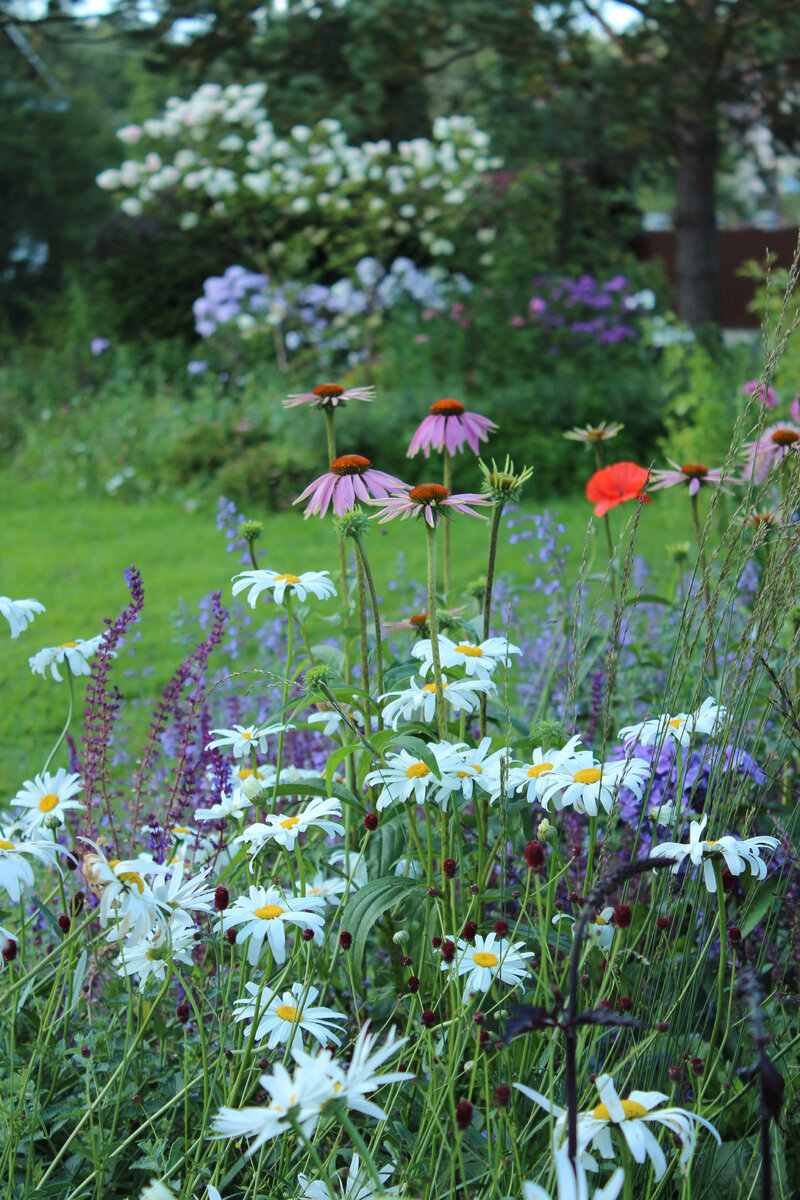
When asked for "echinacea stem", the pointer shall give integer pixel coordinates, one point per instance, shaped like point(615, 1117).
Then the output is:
point(494, 530)
point(448, 483)
point(698, 533)
point(433, 623)
point(361, 590)
point(373, 595)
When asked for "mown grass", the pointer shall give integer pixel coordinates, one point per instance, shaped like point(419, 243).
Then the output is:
point(70, 554)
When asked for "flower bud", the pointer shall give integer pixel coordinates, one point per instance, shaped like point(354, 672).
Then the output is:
point(697, 1065)
point(534, 856)
point(469, 931)
point(674, 1074)
point(371, 821)
point(448, 951)
point(624, 1004)
point(500, 928)
point(183, 1012)
point(221, 898)
point(734, 935)
point(307, 935)
point(428, 1018)
point(412, 983)
point(449, 868)
point(502, 1095)
point(546, 832)
point(230, 936)
point(345, 939)
point(463, 1114)
point(64, 923)
point(622, 916)
point(400, 937)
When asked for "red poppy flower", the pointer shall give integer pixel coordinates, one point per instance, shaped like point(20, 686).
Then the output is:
point(610, 486)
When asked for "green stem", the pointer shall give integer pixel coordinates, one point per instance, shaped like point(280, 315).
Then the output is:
point(361, 592)
point(494, 530)
point(373, 595)
point(448, 483)
point(610, 545)
point(433, 624)
point(698, 533)
point(286, 682)
point(65, 730)
point(723, 940)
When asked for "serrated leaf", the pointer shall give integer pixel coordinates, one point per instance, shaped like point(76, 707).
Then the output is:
point(368, 904)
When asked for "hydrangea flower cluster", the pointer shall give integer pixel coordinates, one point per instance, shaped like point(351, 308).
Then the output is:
point(217, 155)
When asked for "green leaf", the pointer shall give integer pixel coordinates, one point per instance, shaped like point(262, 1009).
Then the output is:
point(648, 598)
point(369, 904)
point(77, 978)
point(336, 757)
point(386, 845)
point(765, 897)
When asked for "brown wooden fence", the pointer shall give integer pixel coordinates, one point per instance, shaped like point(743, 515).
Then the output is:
point(736, 246)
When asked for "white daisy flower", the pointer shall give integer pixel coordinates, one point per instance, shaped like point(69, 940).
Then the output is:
point(127, 901)
point(361, 1078)
point(479, 659)
point(709, 719)
point(280, 1015)
point(314, 583)
point(419, 702)
point(330, 888)
point(477, 768)
point(488, 959)
point(572, 1182)
point(408, 778)
point(302, 1095)
point(600, 930)
point(533, 778)
point(48, 796)
point(15, 870)
point(243, 739)
point(176, 893)
point(75, 654)
point(585, 782)
point(284, 830)
point(358, 1184)
point(631, 1118)
point(19, 613)
point(150, 956)
point(332, 721)
point(737, 853)
point(264, 915)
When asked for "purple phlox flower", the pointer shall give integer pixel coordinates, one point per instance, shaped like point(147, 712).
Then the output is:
point(695, 474)
point(98, 345)
point(351, 478)
point(767, 395)
point(447, 427)
point(428, 500)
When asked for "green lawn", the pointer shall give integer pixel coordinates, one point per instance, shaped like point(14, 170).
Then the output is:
point(70, 553)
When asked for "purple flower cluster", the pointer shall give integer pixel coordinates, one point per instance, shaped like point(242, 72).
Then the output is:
point(323, 317)
point(582, 309)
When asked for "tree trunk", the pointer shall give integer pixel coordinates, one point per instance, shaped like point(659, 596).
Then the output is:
point(696, 248)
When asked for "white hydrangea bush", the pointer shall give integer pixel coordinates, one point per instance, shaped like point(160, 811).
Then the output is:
point(217, 156)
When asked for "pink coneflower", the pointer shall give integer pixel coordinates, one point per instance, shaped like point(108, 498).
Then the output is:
point(418, 622)
point(447, 427)
point(768, 396)
point(774, 443)
point(350, 478)
point(330, 395)
point(695, 474)
point(428, 500)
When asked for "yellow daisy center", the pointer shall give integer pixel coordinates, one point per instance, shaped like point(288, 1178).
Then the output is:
point(67, 645)
point(470, 651)
point(246, 772)
point(676, 722)
point(290, 822)
point(247, 735)
point(48, 802)
point(181, 829)
point(268, 911)
point(127, 876)
point(600, 921)
point(418, 770)
point(286, 1012)
point(632, 1111)
point(6, 845)
point(539, 769)
point(711, 842)
point(484, 958)
point(468, 774)
point(588, 775)
point(288, 578)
